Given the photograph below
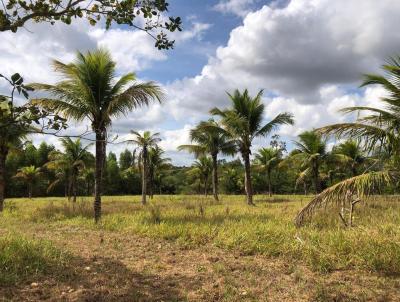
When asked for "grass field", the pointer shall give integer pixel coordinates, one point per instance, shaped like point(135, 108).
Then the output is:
point(189, 248)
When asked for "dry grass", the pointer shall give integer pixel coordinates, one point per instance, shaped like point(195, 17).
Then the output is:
point(235, 252)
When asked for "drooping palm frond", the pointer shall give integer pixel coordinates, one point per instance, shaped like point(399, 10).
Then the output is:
point(361, 186)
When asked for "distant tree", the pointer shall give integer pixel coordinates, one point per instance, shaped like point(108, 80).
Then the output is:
point(91, 90)
point(87, 176)
point(10, 137)
point(28, 174)
point(112, 176)
point(267, 159)
point(202, 169)
point(209, 140)
point(157, 163)
point(350, 155)
point(243, 122)
point(310, 151)
point(69, 163)
point(145, 142)
point(125, 159)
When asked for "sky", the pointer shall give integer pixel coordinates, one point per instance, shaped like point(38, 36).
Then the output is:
point(308, 56)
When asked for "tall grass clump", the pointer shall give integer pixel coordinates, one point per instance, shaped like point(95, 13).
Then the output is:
point(22, 258)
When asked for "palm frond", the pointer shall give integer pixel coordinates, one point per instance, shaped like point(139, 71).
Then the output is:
point(361, 186)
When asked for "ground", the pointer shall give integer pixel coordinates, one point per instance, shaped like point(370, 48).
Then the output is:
point(188, 248)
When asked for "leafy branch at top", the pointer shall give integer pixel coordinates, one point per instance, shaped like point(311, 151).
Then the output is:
point(14, 14)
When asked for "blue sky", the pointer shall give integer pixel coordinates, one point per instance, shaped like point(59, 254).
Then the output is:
point(307, 55)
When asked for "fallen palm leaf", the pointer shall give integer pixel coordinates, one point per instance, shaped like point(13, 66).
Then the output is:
point(361, 185)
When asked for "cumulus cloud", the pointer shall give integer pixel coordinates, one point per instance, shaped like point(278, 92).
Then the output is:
point(294, 51)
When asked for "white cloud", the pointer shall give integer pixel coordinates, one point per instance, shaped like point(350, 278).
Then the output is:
point(294, 52)
point(237, 7)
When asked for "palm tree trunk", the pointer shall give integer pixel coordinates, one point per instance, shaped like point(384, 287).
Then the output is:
point(269, 183)
point(98, 183)
point(74, 186)
point(215, 176)
point(30, 189)
point(144, 176)
point(205, 186)
point(317, 185)
point(3, 156)
point(247, 178)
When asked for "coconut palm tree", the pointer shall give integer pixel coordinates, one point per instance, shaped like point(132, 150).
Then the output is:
point(156, 164)
point(73, 160)
point(310, 151)
point(243, 122)
point(378, 130)
point(209, 140)
point(268, 159)
point(90, 90)
point(350, 155)
point(201, 169)
point(145, 142)
point(28, 174)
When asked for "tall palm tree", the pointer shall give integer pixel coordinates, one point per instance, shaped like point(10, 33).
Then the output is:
point(201, 169)
point(28, 174)
point(351, 155)
point(73, 160)
point(267, 159)
point(243, 122)
point(311, 151)
point(157, 162)
point(209, 140)
point(90, 90)
point(145, 141)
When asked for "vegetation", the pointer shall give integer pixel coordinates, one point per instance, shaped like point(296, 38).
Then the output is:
point(210, 141)
point(90, 90)
point(244, 122)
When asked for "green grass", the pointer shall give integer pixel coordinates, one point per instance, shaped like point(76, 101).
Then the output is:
point(22, 258)
point(323, 245)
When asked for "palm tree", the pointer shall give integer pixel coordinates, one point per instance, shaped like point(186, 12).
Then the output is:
point(10, 138)
point(145, 141)
point(73, 160)
point(201, 169)
point(267, 159)
point(90, 90)
point(156, 164)
point(29, 174)
point(243, 122)
point(377, 129)
point(351, 155)
point(311, 151)
point(87, 176)
point(209, 140)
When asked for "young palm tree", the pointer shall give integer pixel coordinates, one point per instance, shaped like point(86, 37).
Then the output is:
point(267, 159)
point(145, 142)
point(90, 90)
point(73, 160)
point(209, 140)
point(311, 151)
point(28, 174)
point(350, 155)
point(156, 164)
point(201, 169)
point(243, 122)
